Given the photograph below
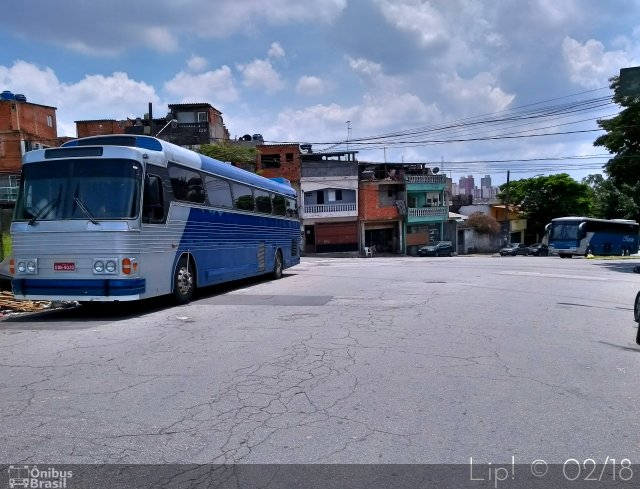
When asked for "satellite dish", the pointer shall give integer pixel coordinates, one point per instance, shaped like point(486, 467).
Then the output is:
point(435, 170)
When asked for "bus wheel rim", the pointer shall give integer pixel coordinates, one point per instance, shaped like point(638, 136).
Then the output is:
point(184, 282)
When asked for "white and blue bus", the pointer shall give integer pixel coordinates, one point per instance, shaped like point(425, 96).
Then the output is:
point(121, 218)
point(569, 236)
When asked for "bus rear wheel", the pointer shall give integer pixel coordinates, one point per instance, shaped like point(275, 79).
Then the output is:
point(183, 281)
point(277, 265)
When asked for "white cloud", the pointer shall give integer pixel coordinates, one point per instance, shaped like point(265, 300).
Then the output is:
point(480, 94)
point(197, 64)
point(365, 67)
point(261, 74)
point(159, 38)
point(590, 65)
point(311, 85)
point(101, 29)
point(555, 12)
point(94, 97)
point(275, 51)
point(416, 17)
point(215, 87)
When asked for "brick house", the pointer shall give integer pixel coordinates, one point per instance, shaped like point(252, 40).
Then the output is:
point(24, 126)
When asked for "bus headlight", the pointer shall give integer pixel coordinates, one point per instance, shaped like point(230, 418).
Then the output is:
point(105, 265)
point(27, 266)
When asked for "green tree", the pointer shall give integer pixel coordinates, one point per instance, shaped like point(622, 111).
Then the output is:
point(621, 193)
point(229, 152)
point(611, 201)
point(544, 198)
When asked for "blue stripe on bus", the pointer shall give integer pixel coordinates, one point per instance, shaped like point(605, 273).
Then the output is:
point(225, 244)
point(74, 287)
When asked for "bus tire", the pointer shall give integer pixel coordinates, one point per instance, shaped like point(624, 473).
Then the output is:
point(636, 309)
point(184, 281)
point(278, 265)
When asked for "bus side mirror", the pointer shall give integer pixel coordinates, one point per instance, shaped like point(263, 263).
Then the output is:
point(581, 230)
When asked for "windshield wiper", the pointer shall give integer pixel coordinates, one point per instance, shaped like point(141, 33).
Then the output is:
point(44, 211)
point(84, 209)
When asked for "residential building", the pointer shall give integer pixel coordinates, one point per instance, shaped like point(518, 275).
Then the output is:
point(382, 207)
point(24, 126)
point(329, 202)
point(184, 125)
point(403, 206)
point(280, 160)
point(427, 209)
point(513, 226)
point(327, 186)
point(99, 127)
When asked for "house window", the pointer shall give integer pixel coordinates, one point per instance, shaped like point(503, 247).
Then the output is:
point(270, 161)
point(9, 187)
point(49, 121)
point(202, 117)
point(288, 156)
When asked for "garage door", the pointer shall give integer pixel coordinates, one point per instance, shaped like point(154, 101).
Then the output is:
point(337, 236)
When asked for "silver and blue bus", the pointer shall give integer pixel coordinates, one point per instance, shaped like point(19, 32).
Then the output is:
point(580, 236)
point(122, 218)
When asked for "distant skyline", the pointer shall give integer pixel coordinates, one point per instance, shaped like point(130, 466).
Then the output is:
point(470, 86)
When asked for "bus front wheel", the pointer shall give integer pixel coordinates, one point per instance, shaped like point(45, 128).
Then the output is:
point(278, 265)
point(183, 281)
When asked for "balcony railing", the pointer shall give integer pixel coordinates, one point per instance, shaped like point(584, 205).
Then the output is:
point(440, 179)
point(438, 211)
point(325, 208)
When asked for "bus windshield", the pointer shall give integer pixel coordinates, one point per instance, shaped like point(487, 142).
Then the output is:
point(564, 231)
point(79, 189)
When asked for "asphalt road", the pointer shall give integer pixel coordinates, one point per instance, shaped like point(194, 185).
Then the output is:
point(379, 360)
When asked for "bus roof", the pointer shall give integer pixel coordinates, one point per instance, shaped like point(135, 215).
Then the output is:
point(189, 158)
point(593, 219)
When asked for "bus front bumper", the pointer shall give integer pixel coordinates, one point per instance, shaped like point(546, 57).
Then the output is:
point(78, 290)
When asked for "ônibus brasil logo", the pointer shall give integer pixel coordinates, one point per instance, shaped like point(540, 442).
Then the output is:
point(36, 478)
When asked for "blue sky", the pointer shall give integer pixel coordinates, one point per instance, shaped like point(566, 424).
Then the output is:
point(407, 75)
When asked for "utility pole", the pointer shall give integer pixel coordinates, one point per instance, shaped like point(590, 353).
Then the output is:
point(507, 237)
point(348, 133)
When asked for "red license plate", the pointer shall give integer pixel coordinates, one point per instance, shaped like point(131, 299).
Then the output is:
point(64, 267)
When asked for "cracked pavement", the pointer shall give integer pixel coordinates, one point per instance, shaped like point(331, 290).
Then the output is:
point(383, 360)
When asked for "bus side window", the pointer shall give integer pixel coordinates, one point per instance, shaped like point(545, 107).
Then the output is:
point(279, 205)
point(292, 209)
point(153, 201)
point(243, 197)
point(263, 201)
